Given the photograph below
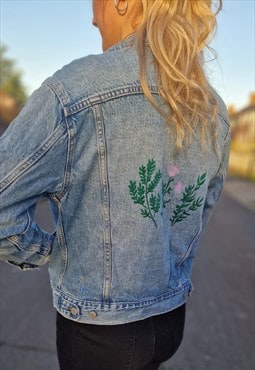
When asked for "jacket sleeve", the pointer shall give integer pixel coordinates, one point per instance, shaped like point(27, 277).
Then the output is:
point(216, 184)
point(32, 164)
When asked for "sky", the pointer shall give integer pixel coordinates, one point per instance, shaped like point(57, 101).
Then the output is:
point(44, 35)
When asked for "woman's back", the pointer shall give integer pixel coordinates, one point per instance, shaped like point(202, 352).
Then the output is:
point(133, 208)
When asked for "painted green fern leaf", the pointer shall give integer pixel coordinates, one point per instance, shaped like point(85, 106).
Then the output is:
point(189, 201)
point(143, 194)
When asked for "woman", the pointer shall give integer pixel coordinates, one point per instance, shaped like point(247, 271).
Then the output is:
point(130, 147)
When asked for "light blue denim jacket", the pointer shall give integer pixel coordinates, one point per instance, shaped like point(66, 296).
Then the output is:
point(128, 212)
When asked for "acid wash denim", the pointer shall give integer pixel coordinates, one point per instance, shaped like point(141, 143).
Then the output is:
point(128, 210)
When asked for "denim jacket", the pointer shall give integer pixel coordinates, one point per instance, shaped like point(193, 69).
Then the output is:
point(128, 210)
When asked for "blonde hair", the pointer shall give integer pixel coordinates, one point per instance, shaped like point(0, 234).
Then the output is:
point(177, 32)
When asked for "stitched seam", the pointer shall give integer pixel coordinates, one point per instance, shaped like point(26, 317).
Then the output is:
point(119, 306)
point(131, 353)
point(190, 246)
point(75, 355)
point(68, 164)
point(154, 338)
point(226, 140)
point(59, 90)
point(104, 97)
point(60, 235)
point(104, 182)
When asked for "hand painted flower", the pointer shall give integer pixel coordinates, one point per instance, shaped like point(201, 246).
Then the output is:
point(178, 187)
point(173, 170)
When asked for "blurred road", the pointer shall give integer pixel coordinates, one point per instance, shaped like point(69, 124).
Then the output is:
point(220, 325)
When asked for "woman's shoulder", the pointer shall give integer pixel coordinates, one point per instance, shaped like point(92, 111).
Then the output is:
point(94, 74)
point(86, 67)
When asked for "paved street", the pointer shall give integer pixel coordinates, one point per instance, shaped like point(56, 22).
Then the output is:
point(220, 325)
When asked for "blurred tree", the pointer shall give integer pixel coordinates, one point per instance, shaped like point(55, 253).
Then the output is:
point(12, 91)
point(10, 78)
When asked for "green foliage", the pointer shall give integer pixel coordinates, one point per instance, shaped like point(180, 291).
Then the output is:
point(151, 166)
point(137, 193)
point(10, 78)
point(154, 183)
point(152, 201)
point(142, 174)
point(200, 181)
point(189, 202)
point(143, 194)
point(155, 203)
point(166, 190)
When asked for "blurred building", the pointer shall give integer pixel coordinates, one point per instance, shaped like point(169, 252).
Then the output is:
point(242, 153)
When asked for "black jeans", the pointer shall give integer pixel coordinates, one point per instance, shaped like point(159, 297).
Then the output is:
point(141, 345)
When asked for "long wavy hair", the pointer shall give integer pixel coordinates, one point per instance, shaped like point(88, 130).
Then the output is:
point(178, 31)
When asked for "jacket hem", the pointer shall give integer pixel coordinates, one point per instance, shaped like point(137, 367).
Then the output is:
point(116, 313)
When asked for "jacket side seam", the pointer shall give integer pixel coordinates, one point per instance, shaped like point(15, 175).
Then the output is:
point(226, 139)
point(64, 100)
point(69, 158)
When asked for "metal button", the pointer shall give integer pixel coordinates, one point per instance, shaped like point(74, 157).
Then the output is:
point(73, 311)
point(92, 315)
point(185, 295)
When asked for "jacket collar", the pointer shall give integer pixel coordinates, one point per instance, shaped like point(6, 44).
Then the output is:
point(129, 41)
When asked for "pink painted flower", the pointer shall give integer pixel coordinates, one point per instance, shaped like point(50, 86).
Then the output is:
point(173, 170)
point(178, 187)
